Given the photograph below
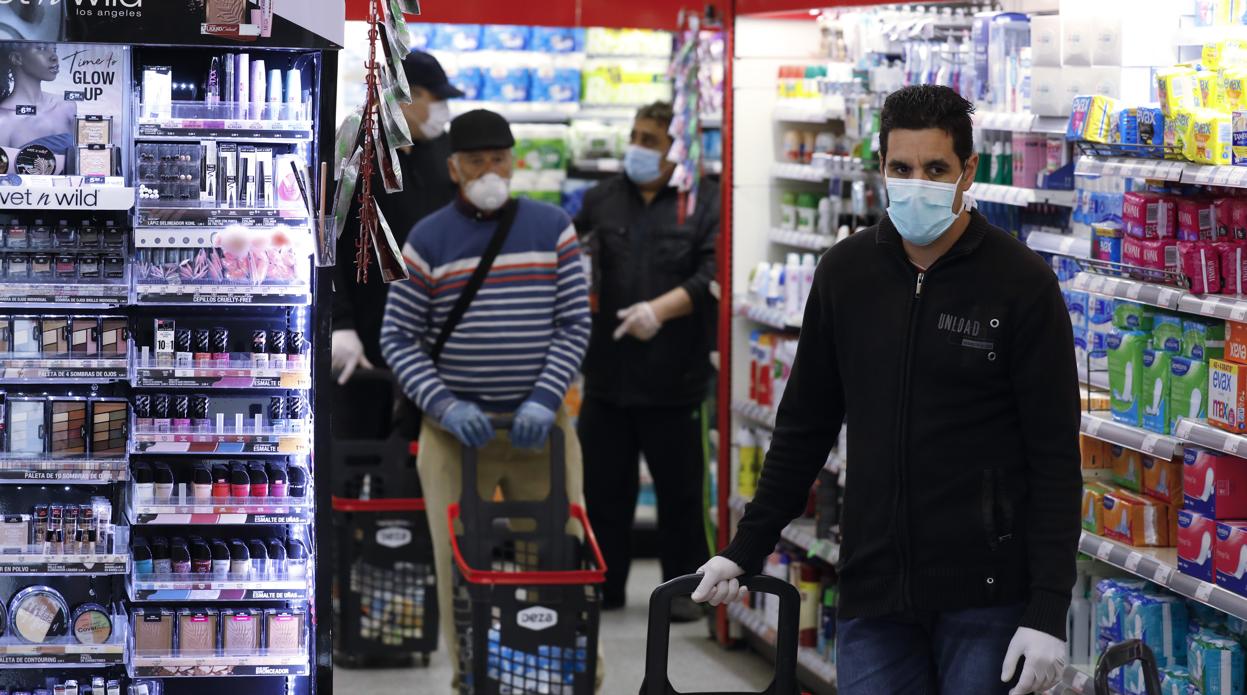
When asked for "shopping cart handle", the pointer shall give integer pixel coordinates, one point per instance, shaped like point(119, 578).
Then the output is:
point(658, 639)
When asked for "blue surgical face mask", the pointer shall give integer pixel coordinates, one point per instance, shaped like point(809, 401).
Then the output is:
point(642, 164)
point(921, 210)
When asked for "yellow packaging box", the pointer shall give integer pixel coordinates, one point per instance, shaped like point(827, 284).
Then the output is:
point(1176, 89)
point(1093, 507)
point(1234, 88)
point(1136, 520)
point(1211, 139)
point(1127, 467)
point(1162, 480)
point(1095, 456)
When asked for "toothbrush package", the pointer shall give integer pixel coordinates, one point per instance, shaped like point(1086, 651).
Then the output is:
point(1196, 541)
point(1214, 484)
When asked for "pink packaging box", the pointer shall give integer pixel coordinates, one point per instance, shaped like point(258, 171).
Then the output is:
point(1194, 219)
point(1233, 258)
point(1149, 216)
point(1222, 219)
point(1230, 556)
point(1238, 219)
point(1214, 484)
point(1197, 537)
point(1201, 265)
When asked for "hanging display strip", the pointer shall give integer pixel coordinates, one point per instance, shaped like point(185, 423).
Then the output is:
point(1021, 197)
point(1133, 290)
point(1202, 434)
point(1020, 122)
point(1059, 244)
point(800, 172)
point(1105, 429)
point(801, 240)
point(222, 378)
point(232, 443)
point(242, 511)
point(63, 470)
point(64, 655)
point(218, 217)
point(18, 370)
point(157, 588)
point(1159, 565)
point(42, 295)
point(218, 666)
point(766, 316)
point(173, 294)
point(196, 129)
point(86, 198)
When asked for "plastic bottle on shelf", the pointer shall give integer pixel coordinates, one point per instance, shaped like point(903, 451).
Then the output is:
point(775, 287)
point(997, 158)
point(792, 285)
point(788, 211)
point(1006, 166)
point(747, 471)
point(1079, 628)
point(843, 233)
point(826, 220)
point(758, 284)
point(807, 213)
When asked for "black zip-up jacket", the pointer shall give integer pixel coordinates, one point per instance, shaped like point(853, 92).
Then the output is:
point(639, 252)
point(961, 396)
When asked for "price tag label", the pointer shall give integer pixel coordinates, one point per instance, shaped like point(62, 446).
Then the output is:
point(1105, 549)
point(1238, 312)
point(1162, 575)
point(1222, 177)
point(1134, 289)
point(1093, 426)
point(1239, 176)
point(1132, 561)
point(1149, 444)
point(1232, 444)
point(1204, 591)
point(1184, 429)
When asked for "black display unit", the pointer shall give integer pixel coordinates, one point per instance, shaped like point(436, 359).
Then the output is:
point(164, 347)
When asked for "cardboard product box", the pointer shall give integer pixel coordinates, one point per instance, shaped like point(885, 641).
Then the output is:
point(1197, 540)
point(1163, 480)
point(1236, 342)
point(1230, 553)
point(1077, 41)
point(1136, 520)
point(1214, 484)
point(1095, 453)
point(1127, 467)
point(1046, 41)
point(1048, 93)
point(1227, 396)
point(1093, 507)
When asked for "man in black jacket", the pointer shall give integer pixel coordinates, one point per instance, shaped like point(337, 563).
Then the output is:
point(358, 308)
point(947, 346)
point(648, 369)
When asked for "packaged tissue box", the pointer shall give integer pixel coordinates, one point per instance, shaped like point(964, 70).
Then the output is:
point(1125, 374)
point(1127, 467)
point(1197, 536)
point(1157, 370)
point(1227, 394)
point(1162, 480)
point(1188, 386)
point(1214, 484)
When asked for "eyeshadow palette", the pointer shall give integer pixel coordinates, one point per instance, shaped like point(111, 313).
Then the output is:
point(114, 337)
point(26, 335)
point(84, 336)
point(26, 427)
point(69, 427)
point(110, 420)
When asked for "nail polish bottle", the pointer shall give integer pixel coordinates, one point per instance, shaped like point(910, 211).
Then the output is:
point(239, 560)
point(239, 482)
point(297, 485)
point(180, 555)
point(201, 483)
point(259, 558)
point(259, 480)
point(201, 558)
point(276, 558)
point(220, 481)
point(296, 559)
point(142, 556)
point(144, 483)
point(164, 483)
point(220, 559)
point(161, 562)
point(277, 483)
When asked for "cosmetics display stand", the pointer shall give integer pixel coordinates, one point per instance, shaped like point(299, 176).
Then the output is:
point(158, 334)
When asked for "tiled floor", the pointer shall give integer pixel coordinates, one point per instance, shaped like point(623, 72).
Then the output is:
point(697, 664)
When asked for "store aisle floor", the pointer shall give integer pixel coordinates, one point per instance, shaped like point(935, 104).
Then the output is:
point(698, 664)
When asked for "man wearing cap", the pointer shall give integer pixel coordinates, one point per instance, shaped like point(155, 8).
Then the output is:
point(514, 352)
point(359, 307)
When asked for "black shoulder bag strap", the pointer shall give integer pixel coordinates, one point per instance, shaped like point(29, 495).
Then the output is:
point(478, 279)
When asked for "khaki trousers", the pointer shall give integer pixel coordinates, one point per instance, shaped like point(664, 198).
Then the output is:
point(517, 473)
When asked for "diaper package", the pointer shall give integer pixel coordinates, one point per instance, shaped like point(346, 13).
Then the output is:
point(1162, 480)
point(1093, 507)
point(1196, 544)
point(1227, 396)
point(1167, 333)
point(1127, 467)
point(1214, 484)
point(1216, 663)
point(1125, 374)
point(1188, 386)
point(1160, 621)
point(1136, 520)
point(1203, 340)
point(1156, 377)
point(1129, 316)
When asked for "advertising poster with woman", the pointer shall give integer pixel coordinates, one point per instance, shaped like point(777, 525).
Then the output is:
point(60, 103)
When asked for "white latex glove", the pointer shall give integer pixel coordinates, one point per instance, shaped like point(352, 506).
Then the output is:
point(718, 583)
point(1045, 661)
point(638, 321)
point(348, 354)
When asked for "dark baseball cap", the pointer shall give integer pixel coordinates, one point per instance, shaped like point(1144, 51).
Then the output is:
point(480, 130)
point(423, 70)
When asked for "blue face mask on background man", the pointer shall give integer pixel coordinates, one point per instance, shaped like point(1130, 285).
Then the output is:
point(642, 164)
point(921, 210)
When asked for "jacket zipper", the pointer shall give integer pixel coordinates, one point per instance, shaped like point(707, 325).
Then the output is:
point(902, 511)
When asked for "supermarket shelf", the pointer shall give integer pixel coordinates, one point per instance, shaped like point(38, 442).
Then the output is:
point(1021, 197)
point(221, 378)
point(172, 587)
point(801, 240)
point(601, 166)
point(1078, 680)
point(813, 670)
point(766, 316)
point(1209, 437)
point(170, 216)
point(1161, 296)
point(17, 470)
point(196, 129)
point(1004, 121)
point(842, 167)
point(754, 413)
point(1103, 428)
point(1059, 244)
point(241, 443)
point(66, 196)
point(20, 370)
point(206, 295)
point(1156, 169)
point(41, 565)
point(66, 654)
point(1159, 565)
point(805, 111)
point(799, 172)
point(1097, 379)
point(1229, 308)
point(710, 120)
point(33, 295)
point(799, 533)
point(218, 666)
point(243, 511)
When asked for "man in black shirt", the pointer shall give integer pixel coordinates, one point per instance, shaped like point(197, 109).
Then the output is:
point(947, 345)
point(648, 369)
point(359, 308)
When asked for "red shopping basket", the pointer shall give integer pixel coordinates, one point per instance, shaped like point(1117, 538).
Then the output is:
point(526, 605)
point(658, 636)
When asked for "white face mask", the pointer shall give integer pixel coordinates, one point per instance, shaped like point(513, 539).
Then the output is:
point(435, 124)
point(489, 192)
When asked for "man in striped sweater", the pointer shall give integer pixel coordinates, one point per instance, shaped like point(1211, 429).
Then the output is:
point(514, 352)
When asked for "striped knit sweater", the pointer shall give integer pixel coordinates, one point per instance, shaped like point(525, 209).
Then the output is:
point(524, 335)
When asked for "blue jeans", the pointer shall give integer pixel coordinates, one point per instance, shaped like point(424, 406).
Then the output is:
point(926, 653)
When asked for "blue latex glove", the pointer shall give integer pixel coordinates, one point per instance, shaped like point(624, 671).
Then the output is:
point(532, 426)
point(468, 424)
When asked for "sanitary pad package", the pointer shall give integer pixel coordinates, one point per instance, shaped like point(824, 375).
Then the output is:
point(1167, 333)
point(1136, 520)
point(1214, 484)
point(1216, 663)
point(1127, 465)
point(1203, 340)
point(1157, 371)
point(1162, 480)
point(1125, 375)
point(1227, 393)
point(1197, 536)
point(1160, 621)
point(1093, 507)
point(1188, 387)
point(1129, 316)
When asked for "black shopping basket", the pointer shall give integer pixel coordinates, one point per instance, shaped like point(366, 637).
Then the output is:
point(658, 637)
point(1124, 654)
point(526, 602)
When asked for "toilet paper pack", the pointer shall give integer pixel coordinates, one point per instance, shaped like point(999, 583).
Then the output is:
point(1157, 373)
point(1214, 484)
point(1227, 395)
point(1197, 536)
point(1188, 390)
point(1125, 374)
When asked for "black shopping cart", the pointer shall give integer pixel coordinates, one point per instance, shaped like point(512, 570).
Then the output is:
point(658, 637)
point(1124, 654)
point(526, 601)
point(385, 585)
